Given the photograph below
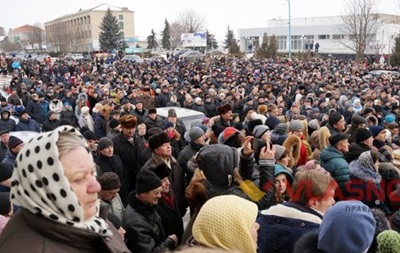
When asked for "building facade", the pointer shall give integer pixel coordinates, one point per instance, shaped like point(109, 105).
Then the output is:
point(326, 31)
point(31, 38)
point(80, 31)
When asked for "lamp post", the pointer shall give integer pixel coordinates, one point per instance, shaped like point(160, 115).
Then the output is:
point(290, 34)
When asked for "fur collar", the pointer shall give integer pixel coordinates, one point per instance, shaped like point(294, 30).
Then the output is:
point(293, 145)
point(291, 212)
point(364, 174)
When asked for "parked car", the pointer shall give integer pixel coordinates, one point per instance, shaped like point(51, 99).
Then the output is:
point(187, 116)
point(384, 72)
point(132, 58)
point(191, 55)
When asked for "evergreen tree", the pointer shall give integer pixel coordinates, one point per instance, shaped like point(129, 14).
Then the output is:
point(262, 51)
point(273, 47)
point(230, 42)
point(166, 37)
point(110, 37)
point(152, 40)
point(230, 39)
point(211, 41)
point(395, 57)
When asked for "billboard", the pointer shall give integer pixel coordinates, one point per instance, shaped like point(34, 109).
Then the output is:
point(198, 39)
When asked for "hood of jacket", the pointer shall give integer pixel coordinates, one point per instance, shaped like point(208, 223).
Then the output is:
point(363, 173)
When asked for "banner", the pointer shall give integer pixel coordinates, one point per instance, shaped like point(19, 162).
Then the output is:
point(198, 39)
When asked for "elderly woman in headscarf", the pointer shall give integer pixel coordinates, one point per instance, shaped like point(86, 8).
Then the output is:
point(54, 183)
point(85, 119)
point(227, 222)
point(365, 182)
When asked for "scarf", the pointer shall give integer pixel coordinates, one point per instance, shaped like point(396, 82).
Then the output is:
point(40, 186)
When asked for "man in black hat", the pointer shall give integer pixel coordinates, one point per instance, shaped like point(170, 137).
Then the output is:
point(15, 144)
point(143, 225)
point(333, 159)
point(140, 112)
point(154, 120)
point(6, 123)
point(357, 122)
point(363, 141)
point(4, 138)
point(26, 123)
point(336, 123)
point(162, 153)
point(110, 187)
point(110, 162)
point(164, 97)
point(225, 116)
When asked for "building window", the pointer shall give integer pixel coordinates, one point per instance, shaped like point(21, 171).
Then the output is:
point(338, 36)
point(88, 20)
point(121, 17)
point(281, 42)
point(323, 37)
point(121, 25)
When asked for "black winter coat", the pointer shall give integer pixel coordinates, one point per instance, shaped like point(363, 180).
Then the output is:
point(144, 229)
point(130, 155)
point(114, 164)
point(171, 218)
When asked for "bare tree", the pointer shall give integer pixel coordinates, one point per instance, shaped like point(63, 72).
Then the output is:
point(36, 37)
point(176, 32)
point(191, 21)
point(360, 24)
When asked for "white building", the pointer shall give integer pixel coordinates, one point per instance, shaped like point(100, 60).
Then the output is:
point(326, 31)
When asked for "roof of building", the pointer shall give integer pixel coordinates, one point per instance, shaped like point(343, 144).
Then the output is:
point(26, 28)
point(101, 7)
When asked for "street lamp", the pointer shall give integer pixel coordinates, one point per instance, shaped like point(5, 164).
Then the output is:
point(290, 33)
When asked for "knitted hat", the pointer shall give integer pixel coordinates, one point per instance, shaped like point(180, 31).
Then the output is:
point(260, 130)
point(334, 118)
point(296, 125)
point(351, 223)
point(390, 126)
point(172, 113)
point(195, 133)
point(5, 204)
point(336, 138)
point(390, 118)
point(253, 123)
point(109, 181)
point(224, 222)
point(279, 169)
point(217, 162)
point(14, 141)
point(157, 140)
point(128, 121)
point(357, 120)
point(152, 131)
point(5, 172)
point(279, 150)
point(314, 110)
point(113, 123)
point(146, 180)
point(281, 129)
point(314, 124)
point(362, 134)
point(89, 135)
point(104, 142)
point(168, 124)
point(161, 170)
point(388, 241)
point(224, 109)
point(272, 122)
point(375, 130)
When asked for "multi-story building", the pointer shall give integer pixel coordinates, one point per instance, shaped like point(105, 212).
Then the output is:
point(80, 31)
point(31, 38)
point(328, 32)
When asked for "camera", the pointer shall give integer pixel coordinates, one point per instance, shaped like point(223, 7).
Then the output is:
point(258, 144)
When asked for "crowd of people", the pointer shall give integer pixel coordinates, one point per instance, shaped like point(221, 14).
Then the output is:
point(291, 156)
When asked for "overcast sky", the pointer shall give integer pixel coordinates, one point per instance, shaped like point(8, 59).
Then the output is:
point(218, 14)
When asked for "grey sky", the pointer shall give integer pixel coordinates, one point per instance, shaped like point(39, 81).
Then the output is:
point(218, 14)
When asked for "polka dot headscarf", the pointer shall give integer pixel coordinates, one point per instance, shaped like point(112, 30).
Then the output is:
point(39, 184)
